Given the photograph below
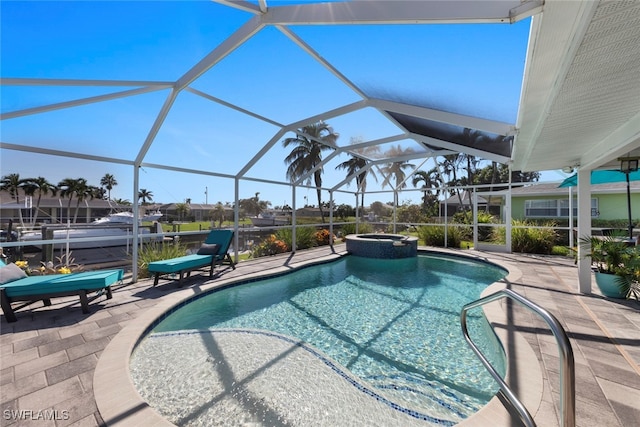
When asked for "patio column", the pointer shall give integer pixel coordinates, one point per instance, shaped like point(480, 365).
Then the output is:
point(357, 213)
point(293, 220)
point(584, 229)
point(134, 245)
point(331, 218)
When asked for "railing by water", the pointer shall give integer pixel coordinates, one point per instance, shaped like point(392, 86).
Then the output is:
point(567, 367)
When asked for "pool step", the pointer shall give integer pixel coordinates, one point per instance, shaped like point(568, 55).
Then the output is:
point(426, 396)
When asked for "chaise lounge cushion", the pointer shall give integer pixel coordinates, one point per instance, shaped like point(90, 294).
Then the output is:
point(174, 265)
point(10, 273)
point(213, 252)
point(59, 283)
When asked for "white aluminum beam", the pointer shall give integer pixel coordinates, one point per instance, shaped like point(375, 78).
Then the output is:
point(354, 147)
point(244, 33)
point(349, 178)
point(12, 81)
point(60, 153)
point(186, 170)
point(157, 124)
point(294, 127)
point(415, 169)
point(263, 5)
point(233, 107)
point(346, 109)
point(323, 162)
point(76, 102)
point(262, 152)
point(401, 12)
point(242, 5)
point(315, 55)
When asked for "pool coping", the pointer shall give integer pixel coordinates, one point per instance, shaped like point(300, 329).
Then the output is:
point(120, 403)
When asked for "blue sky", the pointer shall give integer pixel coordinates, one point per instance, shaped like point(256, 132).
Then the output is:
point(467, 69)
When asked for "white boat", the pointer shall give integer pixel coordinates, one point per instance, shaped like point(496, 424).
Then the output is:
point(127, 218)
point(267, 220)
point(113, 230)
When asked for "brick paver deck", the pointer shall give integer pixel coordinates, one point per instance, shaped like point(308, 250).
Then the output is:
point(48, 357)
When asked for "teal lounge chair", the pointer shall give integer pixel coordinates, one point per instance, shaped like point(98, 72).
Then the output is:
point(213, 252)
point(30, 289)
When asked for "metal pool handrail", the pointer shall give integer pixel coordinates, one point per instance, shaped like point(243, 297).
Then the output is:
point(567, 367)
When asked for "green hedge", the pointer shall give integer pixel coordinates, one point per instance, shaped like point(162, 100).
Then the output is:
point(433, 235)
point(529, 240)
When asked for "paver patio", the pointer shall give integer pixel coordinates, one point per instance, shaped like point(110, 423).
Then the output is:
point(48, 357)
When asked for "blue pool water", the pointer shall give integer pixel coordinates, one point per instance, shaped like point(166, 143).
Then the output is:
point(393, 324)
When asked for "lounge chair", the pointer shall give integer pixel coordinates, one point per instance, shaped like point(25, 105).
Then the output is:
point(213, 252)
point(30, 289)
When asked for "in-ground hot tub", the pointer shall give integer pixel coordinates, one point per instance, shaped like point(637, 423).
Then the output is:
point(382, 245)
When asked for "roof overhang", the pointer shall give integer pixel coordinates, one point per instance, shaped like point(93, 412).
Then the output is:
point(579, 104)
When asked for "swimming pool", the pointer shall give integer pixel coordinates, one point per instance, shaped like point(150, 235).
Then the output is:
point(389, 327)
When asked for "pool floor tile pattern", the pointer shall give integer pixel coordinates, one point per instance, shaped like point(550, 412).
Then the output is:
point(48, 357)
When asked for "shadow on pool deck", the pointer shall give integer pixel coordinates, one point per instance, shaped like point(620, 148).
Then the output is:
point(48, 357)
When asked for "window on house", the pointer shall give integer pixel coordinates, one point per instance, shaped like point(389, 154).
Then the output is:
point(555, 208)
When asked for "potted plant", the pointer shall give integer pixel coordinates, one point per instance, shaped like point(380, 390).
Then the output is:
point(628, 277)
point(613, 260)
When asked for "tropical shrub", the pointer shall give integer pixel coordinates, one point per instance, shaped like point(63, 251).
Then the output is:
point(561, 251)
point(463, 217)
point(628, 280)
point(466, 217)
point(484, 233)
point(156, 252)
point(272, 245)
point(305, 237)
point(285, 235)
point(347, 229)
point(324, 237)
point(410, 213)
point(363, 228)
point(433, 235)
point(526, 239)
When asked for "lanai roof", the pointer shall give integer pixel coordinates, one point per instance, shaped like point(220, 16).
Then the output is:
point(578, 103)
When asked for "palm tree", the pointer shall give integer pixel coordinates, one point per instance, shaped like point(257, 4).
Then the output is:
point(83, 191)
point(108, 181)
point(430, 180)
point(29, 189)
point(471, 138)
point(66, 187)
point(254, 205)
point(145, 195)
point(450, 166)
point(123, 202)
point(218, 213)
point(306, 155)
point(41, 186)
point(396, 169)
point(69, 188)
point(354, 165)
point(12, 184)
point(182, 209)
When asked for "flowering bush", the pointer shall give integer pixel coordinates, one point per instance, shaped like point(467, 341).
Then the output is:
point(65, 265)
point(323, 237)
point(270, 246)
point(23, 265)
